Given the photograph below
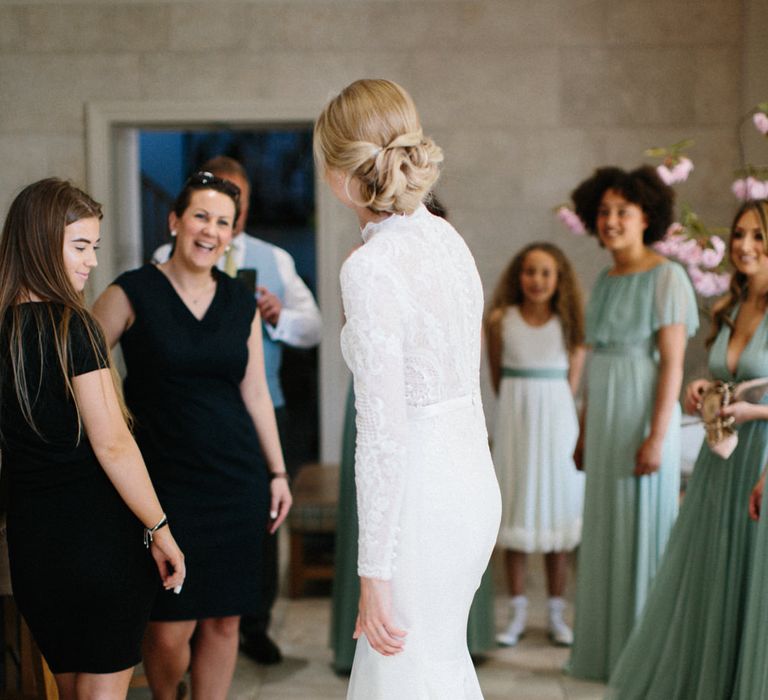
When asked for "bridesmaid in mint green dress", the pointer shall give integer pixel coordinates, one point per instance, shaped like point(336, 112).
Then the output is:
point(346, 584)
point(752, 681)
point(640, 314)
point(687, 643)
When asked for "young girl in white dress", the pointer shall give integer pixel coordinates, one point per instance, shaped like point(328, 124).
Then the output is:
point(535, 331)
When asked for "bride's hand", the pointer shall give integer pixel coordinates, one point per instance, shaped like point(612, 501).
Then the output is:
point(374, 618)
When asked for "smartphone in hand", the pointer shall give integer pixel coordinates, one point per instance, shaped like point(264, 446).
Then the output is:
point(248, 276)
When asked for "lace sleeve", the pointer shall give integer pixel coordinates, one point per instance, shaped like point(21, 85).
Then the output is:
point(372, 342)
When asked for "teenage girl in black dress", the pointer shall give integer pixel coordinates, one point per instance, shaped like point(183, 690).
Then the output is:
point(79, 493)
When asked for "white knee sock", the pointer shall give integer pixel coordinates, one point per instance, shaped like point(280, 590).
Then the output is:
point(518, 606)
point(559, 631)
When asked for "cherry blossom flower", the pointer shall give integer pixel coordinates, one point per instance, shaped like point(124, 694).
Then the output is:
point(571, 219)
point(760, 120)
point(675, 228)
point(712, 257)
point(750, 188)
point(700, 258)
point(707, 283)
point(679, 172)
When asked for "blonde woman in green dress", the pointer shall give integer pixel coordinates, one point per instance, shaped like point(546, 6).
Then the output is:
point(687, 644)
point(752, 679)
point(640, 314)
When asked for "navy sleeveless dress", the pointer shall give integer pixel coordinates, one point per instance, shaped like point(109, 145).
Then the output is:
point(81, 576)
point(197, 438)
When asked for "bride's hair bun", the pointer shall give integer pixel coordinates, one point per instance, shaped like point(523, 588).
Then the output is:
point(371, 132)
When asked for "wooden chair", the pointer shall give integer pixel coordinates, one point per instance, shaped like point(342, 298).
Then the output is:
point(315, 500)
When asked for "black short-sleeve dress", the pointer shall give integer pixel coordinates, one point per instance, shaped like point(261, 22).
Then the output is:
point(198, 440)
point(81, 576)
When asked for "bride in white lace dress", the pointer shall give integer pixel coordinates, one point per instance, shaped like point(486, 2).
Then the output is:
point(428, 500)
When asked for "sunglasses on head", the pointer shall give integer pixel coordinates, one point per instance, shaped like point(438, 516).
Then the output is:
point(205, 178)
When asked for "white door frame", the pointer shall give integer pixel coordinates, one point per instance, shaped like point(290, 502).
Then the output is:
point(110, 130)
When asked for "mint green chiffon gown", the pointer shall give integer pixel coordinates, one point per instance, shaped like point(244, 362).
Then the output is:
point(752, 680)
point(346, 584)
point(687, 643)
point(627, 519)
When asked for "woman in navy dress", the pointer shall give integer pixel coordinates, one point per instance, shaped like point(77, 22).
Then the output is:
point(191, 339)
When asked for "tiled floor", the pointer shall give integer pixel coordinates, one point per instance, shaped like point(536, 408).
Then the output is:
point(530, 671)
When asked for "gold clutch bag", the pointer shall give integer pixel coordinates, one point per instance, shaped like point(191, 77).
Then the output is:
point(721, 433)
point(722, 437)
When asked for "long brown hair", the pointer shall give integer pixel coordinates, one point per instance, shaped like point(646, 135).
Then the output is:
point(737, 290)
point(32, 264)
point(566, 302)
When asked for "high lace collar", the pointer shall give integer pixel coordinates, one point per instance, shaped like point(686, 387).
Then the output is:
point(373, 227)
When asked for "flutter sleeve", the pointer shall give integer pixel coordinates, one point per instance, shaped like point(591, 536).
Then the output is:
point(372, 341)
point(675, 300)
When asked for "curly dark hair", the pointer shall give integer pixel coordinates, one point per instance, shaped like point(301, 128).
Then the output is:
point(641, 186)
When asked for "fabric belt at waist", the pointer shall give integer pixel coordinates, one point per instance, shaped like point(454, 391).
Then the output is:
point(535, 372)
point(438, 409)
point(635, 350)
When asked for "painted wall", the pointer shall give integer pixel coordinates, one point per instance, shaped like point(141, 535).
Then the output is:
point(526, 98)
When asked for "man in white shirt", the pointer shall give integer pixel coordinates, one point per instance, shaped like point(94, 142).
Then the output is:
point(290, 316)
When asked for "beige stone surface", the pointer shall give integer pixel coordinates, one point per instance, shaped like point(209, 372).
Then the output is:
point(47, 92)
point(717, 87)
point(627, 86)
point(545, 23)
point(11, 28)
point(80, 28)
point(313, 26)
point(31, 157)
point(486, 87)
point(690, 22)
point(216, 26)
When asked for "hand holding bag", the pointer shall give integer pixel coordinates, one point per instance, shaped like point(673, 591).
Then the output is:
point(722, 437)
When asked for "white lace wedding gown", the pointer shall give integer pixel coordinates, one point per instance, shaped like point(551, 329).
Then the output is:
point(428, 500)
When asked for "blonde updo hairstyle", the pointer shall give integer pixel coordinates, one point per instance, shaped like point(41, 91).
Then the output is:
point(371, 133)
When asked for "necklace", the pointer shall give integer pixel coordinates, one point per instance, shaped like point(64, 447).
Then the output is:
point(192, 296)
